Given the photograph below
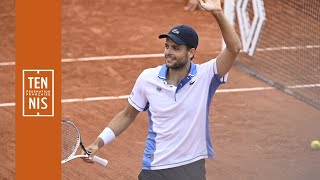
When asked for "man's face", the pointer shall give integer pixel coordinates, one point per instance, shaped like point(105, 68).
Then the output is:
point(176, 56)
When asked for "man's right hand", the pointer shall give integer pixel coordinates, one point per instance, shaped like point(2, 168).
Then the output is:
point(92, 149)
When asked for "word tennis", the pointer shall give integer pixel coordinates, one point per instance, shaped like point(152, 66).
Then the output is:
point(38, 86)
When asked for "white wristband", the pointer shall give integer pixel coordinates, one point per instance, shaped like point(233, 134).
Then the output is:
point(107, 135)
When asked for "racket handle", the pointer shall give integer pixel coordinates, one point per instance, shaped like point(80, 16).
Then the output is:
point(100, 161)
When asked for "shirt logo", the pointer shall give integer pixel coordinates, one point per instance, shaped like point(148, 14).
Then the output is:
point(159, 89)
point(175, 31)
point(191, 83)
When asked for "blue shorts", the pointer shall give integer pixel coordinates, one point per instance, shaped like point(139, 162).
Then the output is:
point(192, 171)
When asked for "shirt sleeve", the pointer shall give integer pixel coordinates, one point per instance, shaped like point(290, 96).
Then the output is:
point(211, 69)
point(137, 97)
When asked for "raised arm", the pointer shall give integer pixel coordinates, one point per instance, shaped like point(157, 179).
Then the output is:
point(228, 55)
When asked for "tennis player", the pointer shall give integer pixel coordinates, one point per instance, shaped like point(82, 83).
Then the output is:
point(177, 97)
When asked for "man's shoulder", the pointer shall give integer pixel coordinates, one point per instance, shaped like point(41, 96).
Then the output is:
point(150, 72)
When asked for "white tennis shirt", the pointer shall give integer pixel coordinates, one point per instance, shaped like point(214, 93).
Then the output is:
point(179, 126)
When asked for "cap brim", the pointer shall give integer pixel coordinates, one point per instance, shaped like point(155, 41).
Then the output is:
point(172, 37)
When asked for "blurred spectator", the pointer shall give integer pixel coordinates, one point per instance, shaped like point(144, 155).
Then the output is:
point(194, 5)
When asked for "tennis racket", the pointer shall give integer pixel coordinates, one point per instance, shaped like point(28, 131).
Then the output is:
point(71, 141)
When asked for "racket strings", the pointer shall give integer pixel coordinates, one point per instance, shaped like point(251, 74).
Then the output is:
point(70, 140)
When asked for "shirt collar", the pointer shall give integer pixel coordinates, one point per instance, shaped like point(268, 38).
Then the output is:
point(163, 71)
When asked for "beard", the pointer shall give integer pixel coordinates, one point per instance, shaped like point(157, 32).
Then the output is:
point(179, 64)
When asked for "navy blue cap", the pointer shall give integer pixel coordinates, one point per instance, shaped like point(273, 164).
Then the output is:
point(183, 34)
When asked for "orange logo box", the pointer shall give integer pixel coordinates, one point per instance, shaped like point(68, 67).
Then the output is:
point(38, 93)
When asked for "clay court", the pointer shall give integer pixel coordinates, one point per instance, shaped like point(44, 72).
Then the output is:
point(258, 133)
